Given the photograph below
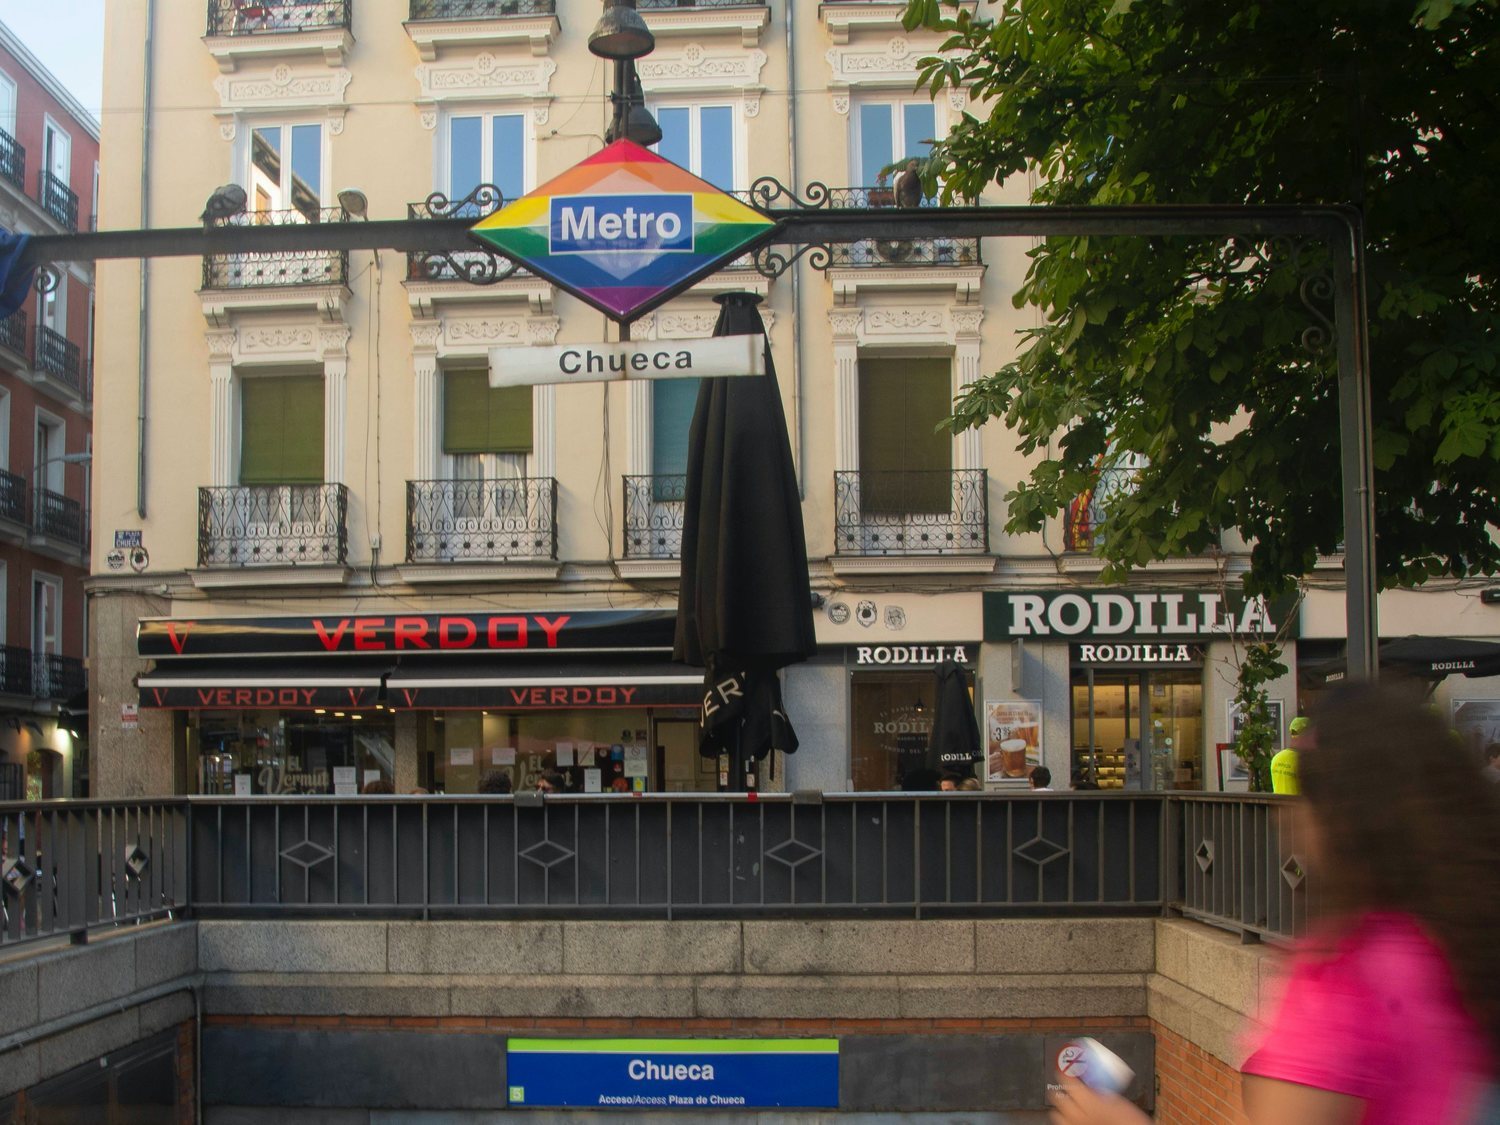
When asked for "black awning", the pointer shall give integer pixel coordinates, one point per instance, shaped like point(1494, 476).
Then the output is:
point(1429, 658)
point(284, 685)
point(535, 686)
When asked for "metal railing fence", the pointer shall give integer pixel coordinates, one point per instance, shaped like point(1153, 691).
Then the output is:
point(290, 267)
point(13, 333)
point(653, 516)
point(273, 525)
point(479, 9)
point(1229, 860)
point(12, 161)
point(481, 520)
point(254, 17)
point(60, 358)
point(916, 512)
point(69, 866)
point(12, 497)
point(57, 517)
point(57, 199)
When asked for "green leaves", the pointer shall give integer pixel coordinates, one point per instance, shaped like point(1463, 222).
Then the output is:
point(1192, 351)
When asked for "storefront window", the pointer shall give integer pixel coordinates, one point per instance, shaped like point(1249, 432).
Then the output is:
point(600, 751)
point(891, 722)
point(1147, 728)
point(274, 752)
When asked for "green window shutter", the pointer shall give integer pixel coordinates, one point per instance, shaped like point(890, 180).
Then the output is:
point(905, 463)
point(672, 404)
point(281, 430)
point(478, 418)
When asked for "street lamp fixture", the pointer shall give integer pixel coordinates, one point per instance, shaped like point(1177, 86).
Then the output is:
point(225, 203)
point(354, 203)
point(621, 36)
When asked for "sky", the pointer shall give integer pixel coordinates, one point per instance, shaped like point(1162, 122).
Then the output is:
point(68, 37)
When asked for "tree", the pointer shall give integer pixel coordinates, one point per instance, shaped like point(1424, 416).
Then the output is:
point(1191, 351)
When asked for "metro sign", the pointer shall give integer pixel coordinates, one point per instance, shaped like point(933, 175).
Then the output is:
point(624, 230)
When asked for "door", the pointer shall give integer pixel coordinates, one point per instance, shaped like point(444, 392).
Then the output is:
point(46, 631)
point(679, 766)
point(1139, 729)
point(57, 151)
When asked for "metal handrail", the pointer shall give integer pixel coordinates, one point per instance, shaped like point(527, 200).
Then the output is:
point(278, 268)
point(1231, 860)
point(57, 199)
point(12, 496)
point(59, 357)
point(653, 516)
point(58, 517)
point(273, 525)
point(13, 333)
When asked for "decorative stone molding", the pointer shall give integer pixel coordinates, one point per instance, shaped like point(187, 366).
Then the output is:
point(543, 330)
point(702, 70)
point(484, 331)
point(221, 344)
point(278, 340)
point(425, 335)
point(747, 22)
point(334, 339)
point(686, 325)
point(538, 33)
point(484, 76)
point(899, 320)
point(330, 43)
point(874, 16)
point(891, 65)
point(284, 86)
point(846, 323)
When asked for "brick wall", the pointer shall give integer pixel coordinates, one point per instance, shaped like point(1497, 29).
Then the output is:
point(1192, 1086)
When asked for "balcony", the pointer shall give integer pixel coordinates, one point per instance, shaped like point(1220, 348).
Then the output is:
point(479, 9)
point(901, 253)
point(13, 335)
point(57, 199)
point(653, 516)
point(921, 512)
point(13, 500)
point(15, 670)
point(12, 161)
point(273, 525)
point(40, 675)
point(257, 17)
point(280, 269)
point(481, 520)
point(59, 361)
point(1087, 513)
point(57, 520)
point(659, 5)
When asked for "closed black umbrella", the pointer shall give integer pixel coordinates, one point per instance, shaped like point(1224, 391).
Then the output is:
point(953, 746)
point(745, 608)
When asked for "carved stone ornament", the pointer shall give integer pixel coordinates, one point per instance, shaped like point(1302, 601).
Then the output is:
point(425, 336)
point(893, 65)
point(484, 330)
point(333, 339)
point(284, 86)
point(221, 344)
point(846, 322)
point(698, 68)
point(686, 325)
point(543, 330)
point(904, 320)
point(281, 339)
point(485, 76)
point(967, 319)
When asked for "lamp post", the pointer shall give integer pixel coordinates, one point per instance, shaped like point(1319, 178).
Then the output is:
point(621, 36)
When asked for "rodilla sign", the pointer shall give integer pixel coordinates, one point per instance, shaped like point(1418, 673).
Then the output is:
point(646, 1074)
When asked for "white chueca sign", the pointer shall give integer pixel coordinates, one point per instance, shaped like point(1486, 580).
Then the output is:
point(713, 358)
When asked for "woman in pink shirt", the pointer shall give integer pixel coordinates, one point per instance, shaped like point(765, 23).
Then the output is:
point(1391, 1013)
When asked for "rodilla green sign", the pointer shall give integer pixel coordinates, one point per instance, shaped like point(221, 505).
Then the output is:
point(1118, 614)
point(702, 1074)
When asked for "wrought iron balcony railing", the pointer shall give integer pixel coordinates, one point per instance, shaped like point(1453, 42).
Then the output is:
point(478, 267)
point(57, 517)
point(481, 520)
point(12, 161)
point(13, 332)
point(877, 252)
point(273, 525)
point(291, 267)
point(479, 9)
point(57, 199)
point(56, 677)
point(15, 670)
point(653, 516)
point(59, 357)
point(1086, 515)
point(255, 17)
point(12, 497)
point(922, 512)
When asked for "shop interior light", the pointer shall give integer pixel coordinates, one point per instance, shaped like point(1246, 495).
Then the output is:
point(356, 717)
point(338, 714)
point(320, 711)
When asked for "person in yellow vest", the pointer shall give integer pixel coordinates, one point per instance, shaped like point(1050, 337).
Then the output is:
point(1284, 761)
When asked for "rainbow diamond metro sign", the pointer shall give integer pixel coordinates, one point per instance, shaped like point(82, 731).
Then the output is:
point(624, 230)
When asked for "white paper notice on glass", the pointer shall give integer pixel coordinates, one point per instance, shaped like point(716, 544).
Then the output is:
point(503, 755)
point(592, 780)
point(635, 761)
point(371, 775)
point(585, 753)
point(461, 756)
point(345, 780)
point(242, 785)
point(564, 754)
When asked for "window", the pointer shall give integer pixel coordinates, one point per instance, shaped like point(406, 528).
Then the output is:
point(889, 131)
point(47, 464)
point(281, 430)
point(57, 151)
point(285, 171)
point(46, 613)
point(54, 305)
point(700, 138)
point(905, 463)
point(672, 405)
point(487, 148)
point(486, 430)
point(8, 104)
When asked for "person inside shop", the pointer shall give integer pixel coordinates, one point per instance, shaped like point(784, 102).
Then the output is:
point(380, 787)
point(496, 782)
point(1041, 780)
point(948, 783)
point(1081, 780)
point(971, 785)
point(551, 782)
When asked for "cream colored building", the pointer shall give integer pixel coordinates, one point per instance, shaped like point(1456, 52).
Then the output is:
point(304, 439)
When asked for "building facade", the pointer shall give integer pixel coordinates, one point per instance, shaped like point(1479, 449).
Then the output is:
point(350, 559)
point(49, 180)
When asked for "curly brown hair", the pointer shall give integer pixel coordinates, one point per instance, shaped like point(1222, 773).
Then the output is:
point(1407, 823)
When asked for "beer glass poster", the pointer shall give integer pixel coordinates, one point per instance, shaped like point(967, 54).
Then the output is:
point(1013, 735)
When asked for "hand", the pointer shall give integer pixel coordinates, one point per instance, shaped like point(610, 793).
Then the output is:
point(1076, 1104)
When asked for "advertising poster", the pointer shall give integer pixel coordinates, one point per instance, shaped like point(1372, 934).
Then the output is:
point(1013, 738)
point(1477, 722)
point(700, 1074)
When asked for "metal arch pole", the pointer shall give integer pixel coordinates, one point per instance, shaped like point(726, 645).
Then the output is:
point(1356, 450)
